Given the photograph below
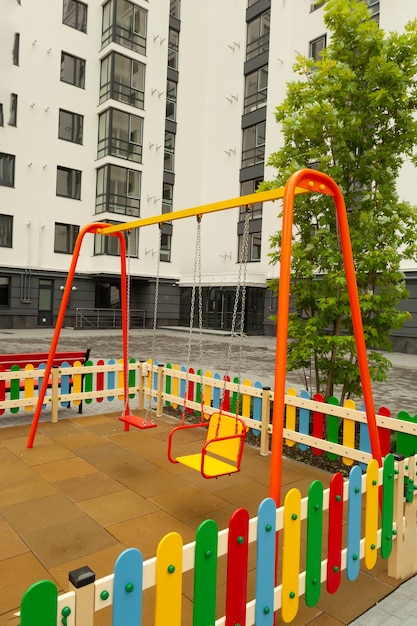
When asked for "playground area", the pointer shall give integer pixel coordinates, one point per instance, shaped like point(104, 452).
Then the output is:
point(203, 549)
point(88, 490)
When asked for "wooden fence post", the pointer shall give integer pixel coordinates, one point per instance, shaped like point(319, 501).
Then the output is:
point(160, 391)
point(403, 560)
point(81, 582)
point(55, 389)
point(266, 412)
point(143, 375)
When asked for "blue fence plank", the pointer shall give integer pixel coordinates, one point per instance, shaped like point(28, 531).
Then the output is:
point(265, 563)
point(127, 589)
point(354, 523)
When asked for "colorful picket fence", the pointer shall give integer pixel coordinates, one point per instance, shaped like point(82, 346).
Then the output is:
point(361, 495)
point(310, 423)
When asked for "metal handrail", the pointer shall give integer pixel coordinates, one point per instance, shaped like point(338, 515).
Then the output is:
point(107, 318)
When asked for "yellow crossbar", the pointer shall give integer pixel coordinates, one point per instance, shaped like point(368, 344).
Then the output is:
point(253, 198)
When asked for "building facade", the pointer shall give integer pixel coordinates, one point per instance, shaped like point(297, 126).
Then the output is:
point(120, 109)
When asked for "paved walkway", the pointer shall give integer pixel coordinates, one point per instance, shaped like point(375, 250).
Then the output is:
point(87, 490)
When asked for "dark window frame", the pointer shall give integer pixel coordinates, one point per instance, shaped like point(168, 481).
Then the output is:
point(5, 291)
point(110, 246)
point(9, 180)
point(78, 70)
point(80, 14)
point(13, 110)
point(71, 234)
point(112, 30)
point(260, 43)
point(121, 91)
point(16, 49)
point(76, 127)
point(314, 53)
point(113, 202)
point(72, 184)
point(112, 144)
point(6, 230)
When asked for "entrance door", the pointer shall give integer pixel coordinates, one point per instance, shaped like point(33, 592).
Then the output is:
point(45, 302)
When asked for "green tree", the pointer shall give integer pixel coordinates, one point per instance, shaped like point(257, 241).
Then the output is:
point(352, 115)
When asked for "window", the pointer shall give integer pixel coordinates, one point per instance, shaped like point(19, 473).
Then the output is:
point(120, 134)
point(72, 70)
point(173, 44)
point(68, 183)
point(118, 190)
point(174, 8)
point(316, 5)
point(374, 7)
point(254, 247)
point(74, 14)
point(122, 79)
point(65, 237)
point(165, 254)
point(256, 89)
point(4, 291)
point(169, 147)
point(124, 23)
point(257, 40)
point(13, 110)
point(246, 188)
point(317, 46)
point(16, 49)
point(6, 231)
point(167, 197)
point(70, 126)
point(106, 244)
point(253, 151)
point(171, 103)
point(7, 169)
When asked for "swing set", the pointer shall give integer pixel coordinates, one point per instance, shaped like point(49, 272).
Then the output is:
point(225, 433)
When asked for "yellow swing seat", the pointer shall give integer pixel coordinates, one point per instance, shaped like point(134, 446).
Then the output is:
point(222, 451)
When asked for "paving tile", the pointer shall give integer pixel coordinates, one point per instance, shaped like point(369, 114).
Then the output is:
point(57, 471)
point(152, 481)
point(101, 563)
point(117, 507)
point(41, 453)
point(188, 503)
point(248, 495)
point(41, 513)
point(80, 440)
point(362, 593)
point(146, 532)
point(10, 544)
point(88, 486)
point(67, 541)
point(16, 575)
point(24, 489)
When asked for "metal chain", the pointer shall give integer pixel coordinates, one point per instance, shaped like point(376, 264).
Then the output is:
point(241, 284)
point(155, 319)
point(128, 238)
point(196, 278)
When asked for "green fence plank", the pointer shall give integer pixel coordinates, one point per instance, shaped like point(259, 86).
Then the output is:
point(314, 542)
point(205, 565)
point(406, 444)
point(333, 428)
point(387, 506)
point(39, 605)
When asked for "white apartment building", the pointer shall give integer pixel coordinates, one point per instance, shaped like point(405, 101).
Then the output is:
point(120, 109)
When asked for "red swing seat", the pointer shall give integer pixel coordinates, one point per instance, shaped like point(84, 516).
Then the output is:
point(223, 448)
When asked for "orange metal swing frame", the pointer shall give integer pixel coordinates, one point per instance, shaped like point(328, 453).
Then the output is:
point(300, 182)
